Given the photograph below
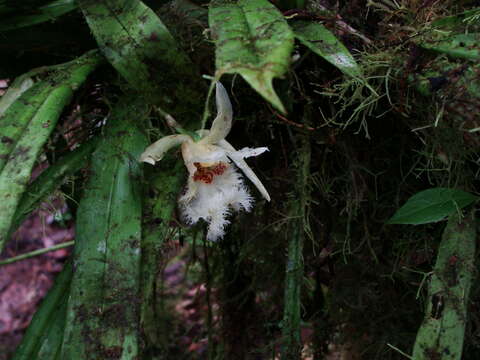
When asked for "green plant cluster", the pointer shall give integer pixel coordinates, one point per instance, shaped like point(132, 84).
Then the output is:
point(370, 110)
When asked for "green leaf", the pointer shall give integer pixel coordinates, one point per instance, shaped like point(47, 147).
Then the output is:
point(442, 332)
point(295, 237)
point(254, 40)
point(15, 90)
point(25, 139)
point(462, 46)
point(46, 12)
point(45, 332)
point(17, 115)
point(166, 183)
point(51, 179)
point(432, 205)
point(52, 338)
point(103, 307)
point(455, 21)
point(142, 50)
point(464, 82)
point(322, 42)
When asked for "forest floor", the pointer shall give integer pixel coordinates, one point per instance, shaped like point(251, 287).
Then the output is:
point(23, 284)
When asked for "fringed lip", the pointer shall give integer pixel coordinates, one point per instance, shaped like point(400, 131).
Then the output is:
point(214, 186)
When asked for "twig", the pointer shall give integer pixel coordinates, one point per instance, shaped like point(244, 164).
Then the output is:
point(36, 252)
point(292, 317)
point(301, 126)
point(208, 298)
point(399, 351)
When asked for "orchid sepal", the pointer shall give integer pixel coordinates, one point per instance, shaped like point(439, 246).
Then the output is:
point(242, 165)
point(222, 124)
point(157, 150)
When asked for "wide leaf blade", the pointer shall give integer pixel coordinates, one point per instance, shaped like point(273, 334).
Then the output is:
point(103, 308)
point(462, 46)
point(166, 183)
point(45, 332)
point(442, 332)
point(24, 148)
point(18, 87)
point(457, 21)
point(432, 205)
point(51, 179)
point(254, 40)
point(16, 116)
point(322, 42)
point(142, 50)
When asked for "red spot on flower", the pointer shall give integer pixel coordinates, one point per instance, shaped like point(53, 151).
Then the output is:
point(453, 260)
point(207, 173)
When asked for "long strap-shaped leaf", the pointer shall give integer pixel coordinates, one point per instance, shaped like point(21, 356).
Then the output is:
point(45, 333)
point(141, 49)
point(26, 145)
point(51, 179)
point(51, 345)
point(291, 326)
point(254, 40)
point(15, 90)
point(461, 46)
point(46, 12)
point(166, 183)
point(16, 115)
point(442, 332)
point(102, 319)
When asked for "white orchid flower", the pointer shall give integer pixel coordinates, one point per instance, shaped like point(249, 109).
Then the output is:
point(215, 188)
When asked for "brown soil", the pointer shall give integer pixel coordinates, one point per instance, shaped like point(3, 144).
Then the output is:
point(23, 284)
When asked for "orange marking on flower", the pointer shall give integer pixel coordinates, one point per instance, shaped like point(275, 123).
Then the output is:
point(207, 173)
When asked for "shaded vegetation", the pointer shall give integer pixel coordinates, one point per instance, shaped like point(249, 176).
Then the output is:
point(374, 102)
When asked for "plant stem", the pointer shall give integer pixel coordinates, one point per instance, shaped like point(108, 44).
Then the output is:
point(292, 344)
point(36, 253)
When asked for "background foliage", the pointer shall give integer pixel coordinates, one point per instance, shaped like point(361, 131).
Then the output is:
point(363, 105)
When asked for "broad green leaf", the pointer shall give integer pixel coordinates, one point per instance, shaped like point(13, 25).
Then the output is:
point(442, 332)
point(43, 13)
point(142, 50)
point(444, 74)
point(322, 42)
point(51, 179)
point(103, 307)
point(52, 339)
point(463, 19)
point(252, 39)
point(18, 87)
point(33, 131)
point(45, 332)
point(17, 115)
point(27, 94)
point(432, 205)
point(166, 182)
point(463, 46)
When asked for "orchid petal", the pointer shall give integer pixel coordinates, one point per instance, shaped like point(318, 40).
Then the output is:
point(214, 154)
point(157, 150)
point(187, 159)
point(223, 122)
point(241, 164)
point(247, 152)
